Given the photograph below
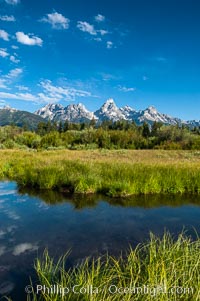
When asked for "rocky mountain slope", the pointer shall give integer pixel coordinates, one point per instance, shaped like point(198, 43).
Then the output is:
point(78, 113)
point(108, 111)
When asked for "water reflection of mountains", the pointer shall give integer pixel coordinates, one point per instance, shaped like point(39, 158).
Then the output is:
point(92, 200)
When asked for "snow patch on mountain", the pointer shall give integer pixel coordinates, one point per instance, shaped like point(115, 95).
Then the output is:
point(109, 111)
point(8, 108)
point(50, 111)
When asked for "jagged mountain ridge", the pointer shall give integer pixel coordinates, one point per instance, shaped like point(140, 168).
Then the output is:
point(108, 111)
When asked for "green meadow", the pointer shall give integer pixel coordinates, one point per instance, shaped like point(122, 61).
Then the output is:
point(113, 173)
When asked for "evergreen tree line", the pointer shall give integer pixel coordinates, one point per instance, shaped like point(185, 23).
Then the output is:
point(109, 135)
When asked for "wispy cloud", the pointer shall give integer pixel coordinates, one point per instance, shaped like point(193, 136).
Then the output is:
point(4, 35)
point(109, 44)
point(22, 88)
point(65, 93)
point(14, 73)
point(3, 52)
point(86, 27)
point(49, 94)
point(12, 2)
point(13, 59)
point(145, 78)
point(8, 79)
point(98, 39)
point(28, 39)
point(103, 31)
point(3, 83)
point(99, 18)
point(7, 18)
point(108, 76)
point(14, 47)
point(19, 96)
point(89, 28)
point(126, 89)
point(57, 21)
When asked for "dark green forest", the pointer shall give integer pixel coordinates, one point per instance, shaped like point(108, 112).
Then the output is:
point(108, 135)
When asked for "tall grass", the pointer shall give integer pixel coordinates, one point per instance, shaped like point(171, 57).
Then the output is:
point(161, 270)
point(114, 176)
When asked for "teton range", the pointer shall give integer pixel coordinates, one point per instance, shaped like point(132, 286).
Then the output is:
point(77, 113)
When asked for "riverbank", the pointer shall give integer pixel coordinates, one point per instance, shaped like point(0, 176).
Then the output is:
point(112, 173)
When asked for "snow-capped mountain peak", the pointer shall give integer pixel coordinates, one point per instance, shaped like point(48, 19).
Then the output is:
point(74, 113)
point(50, 110)
point(8, 108)
point(152, 110)
point(108, 111)
point(109, 104)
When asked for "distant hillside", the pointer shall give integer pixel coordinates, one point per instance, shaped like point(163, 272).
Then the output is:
point(20, 118)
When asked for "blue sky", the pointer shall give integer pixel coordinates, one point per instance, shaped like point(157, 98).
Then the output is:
point(139, 52)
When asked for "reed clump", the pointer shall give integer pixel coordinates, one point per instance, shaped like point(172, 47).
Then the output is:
point(162, 269)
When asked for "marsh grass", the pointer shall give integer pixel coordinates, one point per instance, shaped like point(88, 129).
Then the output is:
point(113, 173)
point(168, 268)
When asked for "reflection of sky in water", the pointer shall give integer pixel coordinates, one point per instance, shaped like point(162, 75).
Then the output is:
point(29, 225)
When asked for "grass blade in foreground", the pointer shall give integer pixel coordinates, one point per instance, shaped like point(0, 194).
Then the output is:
point(162, 269)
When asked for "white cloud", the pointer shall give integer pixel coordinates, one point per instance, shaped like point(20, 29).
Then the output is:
point(3, 52)
point(18, 96)
point(14, 59)
point(3, 83)
point(27, 97)
point(37, 98)
point(109, 44)
point(58, 21)
point(28, 40)
point(14, 73)
point(7, 18)
point(66, 93)
point(108, 76)
point(126, 89)
point(86, 27)
point(89, 28)
point(14, 47)
point(99, 18)
point(22, 88)
point(12, 2)
point(98, 39)
point(103, 32)
point(49, 94)
point(4, 35)
point(7, 79)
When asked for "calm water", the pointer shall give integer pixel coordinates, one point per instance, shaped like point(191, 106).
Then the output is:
point(90, 226)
